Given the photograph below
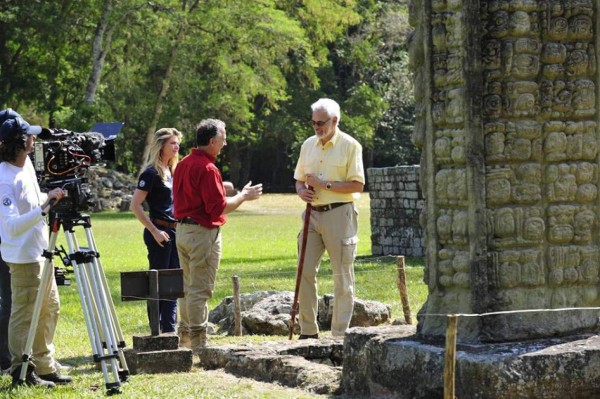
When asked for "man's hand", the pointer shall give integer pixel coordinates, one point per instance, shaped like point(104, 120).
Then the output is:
point(56, 194)
point(307, 194)
point(314, 181)
point(250, 192)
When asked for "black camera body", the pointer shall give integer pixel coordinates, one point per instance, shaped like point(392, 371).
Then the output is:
point(62, 158)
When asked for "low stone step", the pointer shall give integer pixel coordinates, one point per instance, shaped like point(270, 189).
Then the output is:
point(282, 362)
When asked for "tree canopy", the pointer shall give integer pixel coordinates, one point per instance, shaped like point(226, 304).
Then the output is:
point(257, 65)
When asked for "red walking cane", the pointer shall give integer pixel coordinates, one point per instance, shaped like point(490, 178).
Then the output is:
point(300, 266)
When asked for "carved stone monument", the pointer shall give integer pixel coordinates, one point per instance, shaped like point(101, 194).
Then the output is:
point(508, 125)
point(507, 120)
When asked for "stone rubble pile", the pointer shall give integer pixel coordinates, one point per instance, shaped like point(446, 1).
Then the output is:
point(111, 190)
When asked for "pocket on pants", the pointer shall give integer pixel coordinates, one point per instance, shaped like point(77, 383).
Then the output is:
point(349, 249)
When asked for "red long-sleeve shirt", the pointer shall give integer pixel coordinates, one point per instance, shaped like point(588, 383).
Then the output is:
point(198, 191)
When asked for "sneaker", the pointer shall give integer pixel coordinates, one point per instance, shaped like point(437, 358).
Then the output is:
point(31, 378)
point(307, 336)
point(57, 378)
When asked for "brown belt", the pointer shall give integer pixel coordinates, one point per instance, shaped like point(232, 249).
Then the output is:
point(164, 223)
point(327, 207)
point(187, 221)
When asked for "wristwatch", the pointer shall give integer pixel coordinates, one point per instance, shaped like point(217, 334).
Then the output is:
point(328, 185)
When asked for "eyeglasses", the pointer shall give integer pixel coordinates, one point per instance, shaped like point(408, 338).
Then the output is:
point(319, 123)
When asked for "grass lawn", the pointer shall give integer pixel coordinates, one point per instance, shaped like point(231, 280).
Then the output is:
point(259, 243)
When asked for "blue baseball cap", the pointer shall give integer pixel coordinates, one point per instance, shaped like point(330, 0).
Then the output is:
point(14, 126)
point(8, 113)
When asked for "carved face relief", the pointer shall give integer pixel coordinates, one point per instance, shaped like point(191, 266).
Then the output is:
point(492, 106)
point(577, 63)
point(584, 98)
point(555, 146)
point(534, 229)
point(554, 53)
point(581, 27)
point(498, 191)
point(442, 148)
point(525, 66)
point(491, 54)
point(558, 28)
point(524, 105)
point(494, 146)
point(519, 23)
point(504, 225)
point(498, 24)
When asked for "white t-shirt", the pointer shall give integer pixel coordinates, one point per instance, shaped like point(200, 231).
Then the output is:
point(22, 227)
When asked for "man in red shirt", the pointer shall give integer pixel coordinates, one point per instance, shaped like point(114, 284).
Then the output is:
point(200, 206)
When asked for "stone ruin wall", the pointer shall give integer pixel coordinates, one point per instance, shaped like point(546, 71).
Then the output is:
point(507, 121)
point(396, 204)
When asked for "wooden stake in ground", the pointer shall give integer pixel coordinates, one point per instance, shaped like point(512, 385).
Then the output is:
point(237, 311)
point(450, 357)
point(401, 283)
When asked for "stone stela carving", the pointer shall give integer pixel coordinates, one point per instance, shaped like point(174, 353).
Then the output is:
point(507, 122)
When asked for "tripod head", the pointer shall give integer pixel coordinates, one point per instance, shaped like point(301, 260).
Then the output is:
point(68, 221)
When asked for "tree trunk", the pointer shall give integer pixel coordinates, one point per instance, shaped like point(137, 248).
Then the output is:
point(166, 81)
point(100, 46)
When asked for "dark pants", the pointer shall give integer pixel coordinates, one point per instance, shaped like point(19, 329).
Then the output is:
point(164, 257)
point(5, 305)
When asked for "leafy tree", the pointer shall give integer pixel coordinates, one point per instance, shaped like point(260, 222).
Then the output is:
point(258, 65)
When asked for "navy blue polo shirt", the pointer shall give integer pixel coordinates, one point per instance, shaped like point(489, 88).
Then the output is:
point(160, 194)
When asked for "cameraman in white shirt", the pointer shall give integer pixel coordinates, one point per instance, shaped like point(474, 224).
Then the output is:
point(24, 239)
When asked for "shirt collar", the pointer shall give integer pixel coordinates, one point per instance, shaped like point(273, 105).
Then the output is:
point(332, 140)
point(199, 152)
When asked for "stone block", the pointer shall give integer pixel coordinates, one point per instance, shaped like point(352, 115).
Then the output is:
point(392, 362)
point(156, 362)
point(145, 343)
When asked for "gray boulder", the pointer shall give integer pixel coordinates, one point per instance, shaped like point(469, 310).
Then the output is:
point(268, 313)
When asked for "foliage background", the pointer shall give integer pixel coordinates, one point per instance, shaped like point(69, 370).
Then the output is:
point(258, 65)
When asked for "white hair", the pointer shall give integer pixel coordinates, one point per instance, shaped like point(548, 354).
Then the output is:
point(328, 105)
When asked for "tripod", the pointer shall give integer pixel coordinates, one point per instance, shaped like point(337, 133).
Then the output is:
point(101, 320)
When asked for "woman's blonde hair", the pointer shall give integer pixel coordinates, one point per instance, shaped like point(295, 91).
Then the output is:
point(161, 136)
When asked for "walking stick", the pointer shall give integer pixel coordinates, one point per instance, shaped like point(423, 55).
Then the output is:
point(300, 266)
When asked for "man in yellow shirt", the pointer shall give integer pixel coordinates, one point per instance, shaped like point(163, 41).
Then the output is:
point(330, 177)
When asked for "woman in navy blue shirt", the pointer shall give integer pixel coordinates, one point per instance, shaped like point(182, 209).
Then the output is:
point(155, 187)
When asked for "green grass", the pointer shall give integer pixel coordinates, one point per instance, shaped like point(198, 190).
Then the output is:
point(259, 243)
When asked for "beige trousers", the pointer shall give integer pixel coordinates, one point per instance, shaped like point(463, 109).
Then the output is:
point(25, 283)
point(199, 250)
point(334, 231)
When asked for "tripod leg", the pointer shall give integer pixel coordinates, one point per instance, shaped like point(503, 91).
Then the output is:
point(111, 304)
point(45, 280)
point(95, 316)
point(112, 317)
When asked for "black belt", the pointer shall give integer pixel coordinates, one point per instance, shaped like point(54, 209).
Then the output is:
point(328, 207)
point(187, 221)
point(164, 223)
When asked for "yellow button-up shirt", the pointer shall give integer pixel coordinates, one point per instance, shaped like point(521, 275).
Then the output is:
point(340, 159)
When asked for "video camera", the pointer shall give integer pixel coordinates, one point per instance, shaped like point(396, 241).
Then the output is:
point(61, 158)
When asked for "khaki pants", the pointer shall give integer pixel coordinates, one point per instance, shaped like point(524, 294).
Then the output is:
point(334, 231)
point(199, 251)
point(25, 281)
